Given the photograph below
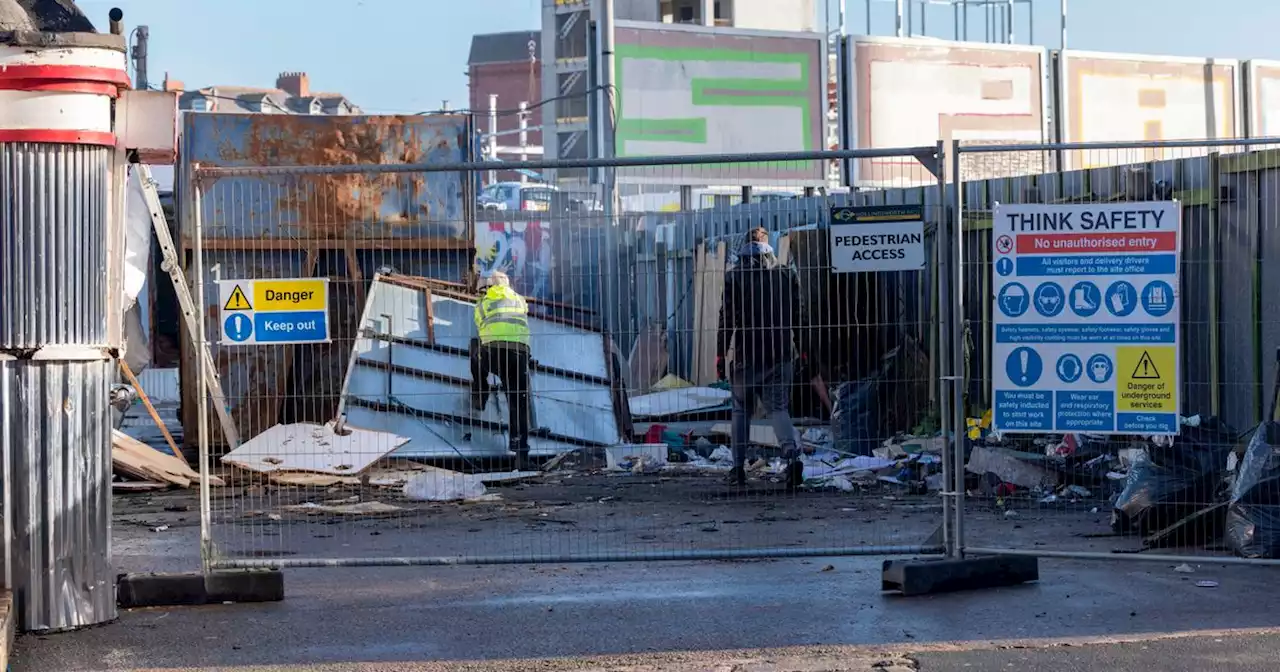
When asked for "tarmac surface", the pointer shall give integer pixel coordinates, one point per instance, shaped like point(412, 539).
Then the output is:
point(810, 614)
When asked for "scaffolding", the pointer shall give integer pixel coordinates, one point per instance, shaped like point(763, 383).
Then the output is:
point(990, 21)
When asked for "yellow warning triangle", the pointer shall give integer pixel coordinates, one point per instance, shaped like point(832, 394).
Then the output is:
point(1146, 369)
point(237, 300)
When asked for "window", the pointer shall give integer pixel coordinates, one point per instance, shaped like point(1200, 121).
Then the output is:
point(686, 14)
point(201, 104)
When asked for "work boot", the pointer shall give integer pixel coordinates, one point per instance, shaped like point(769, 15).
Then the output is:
point(793, 474)
point(737, 477)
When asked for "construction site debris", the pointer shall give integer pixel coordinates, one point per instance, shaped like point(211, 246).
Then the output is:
point(345, 507)
point(435, 486)
point(318, 449)
point(136, 460)
point(1167, 484)
point(1253, 516)
point(1022, 469)
point(636, 457)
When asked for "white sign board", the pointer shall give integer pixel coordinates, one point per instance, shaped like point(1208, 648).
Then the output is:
point(1086, 318)
point(877, 238)
point(274, 312)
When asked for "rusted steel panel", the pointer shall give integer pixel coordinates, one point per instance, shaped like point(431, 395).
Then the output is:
point(389, 209)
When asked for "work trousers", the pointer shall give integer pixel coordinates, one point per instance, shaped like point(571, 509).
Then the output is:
point(510, 363)
point(771, 384)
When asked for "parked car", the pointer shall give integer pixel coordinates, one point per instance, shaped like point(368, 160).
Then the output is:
point(513, 196)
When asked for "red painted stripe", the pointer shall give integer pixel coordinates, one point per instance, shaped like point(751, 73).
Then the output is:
point(62, 137)
point(60, 85)
point(1094, 243)
point(74, 72)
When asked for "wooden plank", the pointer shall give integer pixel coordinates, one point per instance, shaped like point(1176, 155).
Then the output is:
point(146, 401)
point(137, 460)
point(707, 315)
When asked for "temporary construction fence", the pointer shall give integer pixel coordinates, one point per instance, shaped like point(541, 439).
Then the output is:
point(365, 448)
point(1101, 332)
point(373, 455)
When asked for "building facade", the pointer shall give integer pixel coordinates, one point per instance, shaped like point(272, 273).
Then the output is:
point(509, 66)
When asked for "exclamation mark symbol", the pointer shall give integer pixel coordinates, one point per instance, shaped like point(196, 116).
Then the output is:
point(1023, 358)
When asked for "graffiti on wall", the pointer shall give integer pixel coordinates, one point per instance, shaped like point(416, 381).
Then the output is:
point(522, 250)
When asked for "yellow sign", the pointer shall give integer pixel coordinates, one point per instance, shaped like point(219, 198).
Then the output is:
point(280, 295)
point(1146, 379)
point(237, 300)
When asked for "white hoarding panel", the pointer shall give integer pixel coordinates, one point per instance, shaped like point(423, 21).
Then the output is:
point(1130, 97)
point(913, 92)
point(1263, 91)
point(687, 90)
point(1086, 318)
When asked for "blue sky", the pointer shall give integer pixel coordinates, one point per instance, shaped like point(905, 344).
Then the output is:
point(406, 56)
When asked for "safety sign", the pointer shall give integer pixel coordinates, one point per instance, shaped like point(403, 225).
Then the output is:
point(274, 312)
point(877, 238)
point(1086, 335)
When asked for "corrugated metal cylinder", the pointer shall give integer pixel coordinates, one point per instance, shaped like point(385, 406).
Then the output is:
point(53, 245)
point(55, 439)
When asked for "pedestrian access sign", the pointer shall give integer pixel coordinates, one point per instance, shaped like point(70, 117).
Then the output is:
point(275, 312)
point(1086, 310)
point(876, 238)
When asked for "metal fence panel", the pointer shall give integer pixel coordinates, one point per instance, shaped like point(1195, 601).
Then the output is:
point(386, 462)
point(1203, 494)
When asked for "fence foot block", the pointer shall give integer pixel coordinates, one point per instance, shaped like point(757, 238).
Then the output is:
point(194, 588)
point(924, 577)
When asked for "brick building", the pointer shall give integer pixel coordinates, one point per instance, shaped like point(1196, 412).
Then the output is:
point(506, 64)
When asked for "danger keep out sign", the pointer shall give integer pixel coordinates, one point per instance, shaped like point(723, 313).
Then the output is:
point(877, 238)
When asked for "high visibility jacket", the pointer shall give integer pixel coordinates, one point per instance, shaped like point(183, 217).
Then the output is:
point(502, 315)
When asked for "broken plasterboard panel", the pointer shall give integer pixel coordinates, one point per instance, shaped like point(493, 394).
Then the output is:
point(313, 448)
point(677, 402)
point(410, 374)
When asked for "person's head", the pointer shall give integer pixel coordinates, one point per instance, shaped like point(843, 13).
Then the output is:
point(494, 279)
point(758, 235)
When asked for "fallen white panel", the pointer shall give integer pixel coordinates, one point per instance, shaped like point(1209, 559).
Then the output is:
point(410, 374)
point(313, 448)
point(673, 402)
point(435, 439)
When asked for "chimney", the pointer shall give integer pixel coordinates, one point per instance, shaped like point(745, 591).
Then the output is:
point(173, 84)
point(295, 84)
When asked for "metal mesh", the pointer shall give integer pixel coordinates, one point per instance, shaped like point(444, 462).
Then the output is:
point(375, 448)
point(1115, 491)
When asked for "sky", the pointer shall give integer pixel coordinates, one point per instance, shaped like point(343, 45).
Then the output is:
point(407, 56)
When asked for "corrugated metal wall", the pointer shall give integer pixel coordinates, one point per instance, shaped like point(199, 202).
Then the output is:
point(55, 439)
point(53, 245)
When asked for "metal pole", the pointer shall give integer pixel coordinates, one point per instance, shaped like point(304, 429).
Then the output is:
point(959, 374)
point(955, 21)
point(868, 7)
point(942, 243)
point(966, 20)
point(1009, 11)
point(140, 58)
point(493, 134)
point(608, 148)
point(202, 374)
point(1062, 8)
point(843, 25)
point(898, 18)
point(924, 19)
point(911, 17)
point(524, 138)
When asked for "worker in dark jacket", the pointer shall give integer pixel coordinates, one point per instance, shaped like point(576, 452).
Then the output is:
point(502, 321)
point(760, 312)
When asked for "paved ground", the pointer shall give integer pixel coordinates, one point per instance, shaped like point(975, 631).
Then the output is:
point(393, 617)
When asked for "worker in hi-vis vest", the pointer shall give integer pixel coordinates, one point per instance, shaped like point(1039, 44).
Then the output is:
point(502, 320)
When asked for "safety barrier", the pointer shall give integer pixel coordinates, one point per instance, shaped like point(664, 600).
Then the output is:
point(339, 306)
